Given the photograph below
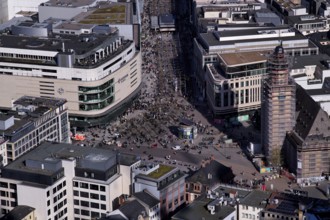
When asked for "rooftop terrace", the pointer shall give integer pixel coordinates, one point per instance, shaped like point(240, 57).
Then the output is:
point(161, 171)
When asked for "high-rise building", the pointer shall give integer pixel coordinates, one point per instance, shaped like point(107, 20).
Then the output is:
point(278, 105)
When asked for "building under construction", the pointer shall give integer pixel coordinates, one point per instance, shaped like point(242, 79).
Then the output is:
point(278, 105)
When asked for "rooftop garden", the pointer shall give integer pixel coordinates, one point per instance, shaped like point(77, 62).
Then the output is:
point(162, 170)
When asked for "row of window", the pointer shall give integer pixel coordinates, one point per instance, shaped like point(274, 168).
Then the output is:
point(57, 188)
point(6, 185)
point(89, 195)
point(89, 204)
point(232, 98)
point(96, 89)
point(246, 83)
point(89, 186)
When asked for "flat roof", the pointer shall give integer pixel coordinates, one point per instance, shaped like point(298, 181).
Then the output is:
point(51, 151)
point(305, 19)
point(80, 44)
point(74, 26)
point(69, 3)
point(238, 59)
point(4, 117)
point(302, 61)
point(166, 19)
point(19, 125)
point(161, 171)
point(107, 13)
point(211, 40)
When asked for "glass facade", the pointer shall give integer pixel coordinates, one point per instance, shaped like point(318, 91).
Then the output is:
point(95, 98)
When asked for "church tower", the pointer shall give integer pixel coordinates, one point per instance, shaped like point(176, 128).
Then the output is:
point(278, 105)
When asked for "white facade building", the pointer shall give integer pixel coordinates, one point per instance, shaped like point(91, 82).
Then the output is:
point(31, 121)
point(251, 206)
point(63, 181)
point(3, 152)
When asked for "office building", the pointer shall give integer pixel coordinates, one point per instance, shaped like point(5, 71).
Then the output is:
point(63, 181)
point(208, 46)
point(31, 121)
point(165, 183)
point(278, 106)
point(308, 24)
point(96, 68)
point(233, 85)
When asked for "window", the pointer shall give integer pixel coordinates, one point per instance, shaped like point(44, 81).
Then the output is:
point(84, 203)
point(77, 211)
point(84, 185)
point(12, 186)
point(95, 205)
point(103, 207)
point(3, 185)
point(76, 202)
point(95, 214)
point(84, 194)
point(85, 212)
point(102, 188)
point(94, 187)
point(102, 197)
point(94, 196)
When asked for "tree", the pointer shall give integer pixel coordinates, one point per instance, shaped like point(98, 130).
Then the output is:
point(276, 157)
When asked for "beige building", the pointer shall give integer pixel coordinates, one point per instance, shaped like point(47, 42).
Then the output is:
point(233, 85)
point(97, 74)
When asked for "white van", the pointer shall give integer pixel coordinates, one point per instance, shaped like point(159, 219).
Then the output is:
point(177, 147)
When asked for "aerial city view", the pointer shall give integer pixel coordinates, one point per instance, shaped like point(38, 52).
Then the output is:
point(164, 109)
